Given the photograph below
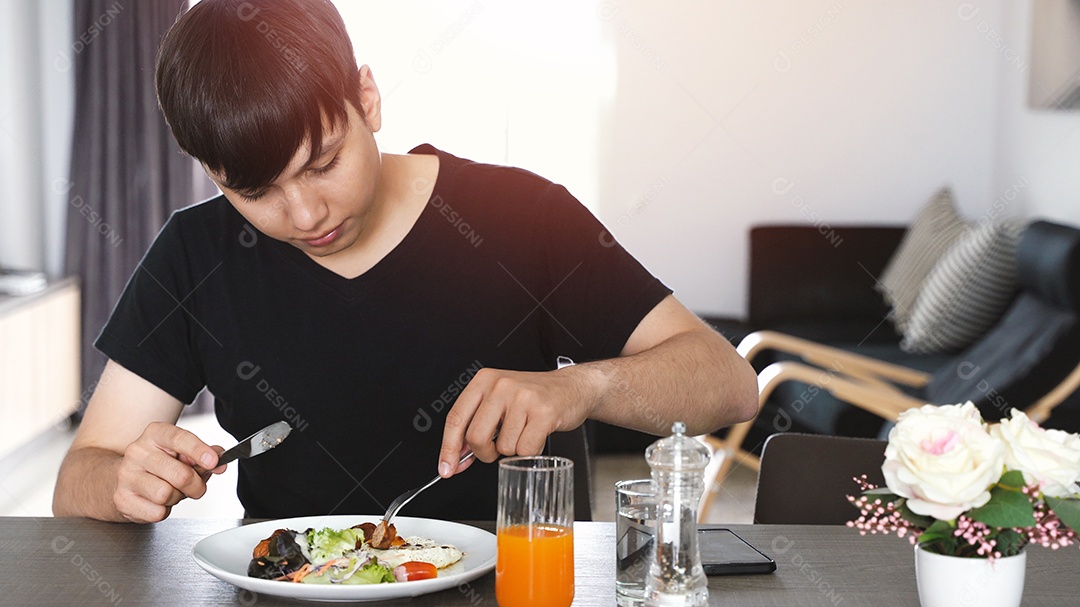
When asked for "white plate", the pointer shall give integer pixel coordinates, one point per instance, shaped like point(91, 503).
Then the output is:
point(226, 555)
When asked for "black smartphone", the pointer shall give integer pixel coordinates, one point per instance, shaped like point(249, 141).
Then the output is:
point(723, 552)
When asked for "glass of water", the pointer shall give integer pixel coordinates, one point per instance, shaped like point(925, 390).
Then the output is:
point(635, 529)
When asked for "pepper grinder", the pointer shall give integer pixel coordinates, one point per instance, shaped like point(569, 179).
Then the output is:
point(675, 575)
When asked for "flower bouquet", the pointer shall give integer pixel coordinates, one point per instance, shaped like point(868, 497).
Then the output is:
point(957, 486)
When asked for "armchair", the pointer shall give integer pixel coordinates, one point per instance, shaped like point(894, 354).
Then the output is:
point(1029, 360)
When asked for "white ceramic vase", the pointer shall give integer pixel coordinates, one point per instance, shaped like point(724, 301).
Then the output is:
point(951, 581)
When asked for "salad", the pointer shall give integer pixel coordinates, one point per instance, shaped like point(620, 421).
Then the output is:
point(362, 554)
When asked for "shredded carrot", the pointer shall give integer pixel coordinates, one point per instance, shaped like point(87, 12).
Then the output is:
point(300, 573)
point(307, 569)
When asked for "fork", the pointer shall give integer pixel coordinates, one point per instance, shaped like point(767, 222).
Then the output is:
point(406, 497)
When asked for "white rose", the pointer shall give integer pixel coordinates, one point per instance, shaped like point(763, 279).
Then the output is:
point(1049, 457)
point(942, 460)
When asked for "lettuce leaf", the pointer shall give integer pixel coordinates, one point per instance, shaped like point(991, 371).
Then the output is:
point(326, 543)
point(372, 573)
point(349, 573)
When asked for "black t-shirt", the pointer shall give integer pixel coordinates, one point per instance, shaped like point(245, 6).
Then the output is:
point(502, 269)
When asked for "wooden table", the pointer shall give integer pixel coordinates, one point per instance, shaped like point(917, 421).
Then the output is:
point(59, 561)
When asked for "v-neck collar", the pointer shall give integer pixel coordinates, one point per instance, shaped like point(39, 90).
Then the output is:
point(397, 259)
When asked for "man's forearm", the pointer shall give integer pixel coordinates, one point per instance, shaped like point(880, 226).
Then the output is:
point(692, 377)
point(86, 484)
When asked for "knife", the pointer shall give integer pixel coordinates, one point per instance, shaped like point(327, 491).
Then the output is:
point(258, 443)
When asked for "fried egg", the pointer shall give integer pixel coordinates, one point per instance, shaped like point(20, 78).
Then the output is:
point(420, 549)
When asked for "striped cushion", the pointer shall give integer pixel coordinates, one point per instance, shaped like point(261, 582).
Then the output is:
point(967, 292)
point(934, 230)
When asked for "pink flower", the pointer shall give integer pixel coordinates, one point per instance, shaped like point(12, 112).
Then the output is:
point(941, 464)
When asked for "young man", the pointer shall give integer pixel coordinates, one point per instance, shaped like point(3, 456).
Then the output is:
point(396, 308)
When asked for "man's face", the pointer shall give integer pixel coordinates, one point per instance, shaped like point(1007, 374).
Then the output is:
point(321, 206)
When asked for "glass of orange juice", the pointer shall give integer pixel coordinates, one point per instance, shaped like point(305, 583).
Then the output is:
point(535, 564)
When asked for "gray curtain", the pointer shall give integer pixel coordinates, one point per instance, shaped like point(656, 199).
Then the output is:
point(127, 173)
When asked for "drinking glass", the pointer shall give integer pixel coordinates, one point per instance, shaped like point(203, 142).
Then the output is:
point(635, 530)
point(534, 530)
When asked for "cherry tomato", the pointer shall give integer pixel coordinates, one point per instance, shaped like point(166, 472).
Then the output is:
point(414, 570)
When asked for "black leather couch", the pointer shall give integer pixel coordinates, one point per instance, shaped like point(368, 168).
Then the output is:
point(817, 284)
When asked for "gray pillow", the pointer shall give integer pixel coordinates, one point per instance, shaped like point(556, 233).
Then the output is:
point(967, 292)
point(934, 230)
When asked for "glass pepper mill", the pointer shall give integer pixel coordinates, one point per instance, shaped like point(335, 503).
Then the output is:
point(675, 576)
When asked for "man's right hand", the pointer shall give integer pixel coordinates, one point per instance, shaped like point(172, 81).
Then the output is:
point(129, 461)
point(159, 469)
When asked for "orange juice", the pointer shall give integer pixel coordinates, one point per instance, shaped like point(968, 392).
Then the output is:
point(535, 566)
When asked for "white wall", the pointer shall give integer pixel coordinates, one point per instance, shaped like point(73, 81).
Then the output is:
point(21, 216)
point(817, 111)
point(703, 118)
point(706, 118)
point(500, 81)
point(1040, 149)
point(36, 101)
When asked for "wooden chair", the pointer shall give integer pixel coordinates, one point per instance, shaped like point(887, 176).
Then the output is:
point(804, 478)
point(1029, 360)
point(575, 446)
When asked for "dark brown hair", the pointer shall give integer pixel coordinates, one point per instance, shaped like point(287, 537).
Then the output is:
point(243, 85)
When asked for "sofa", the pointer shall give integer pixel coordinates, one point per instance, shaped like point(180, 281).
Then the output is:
point(818, 284)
